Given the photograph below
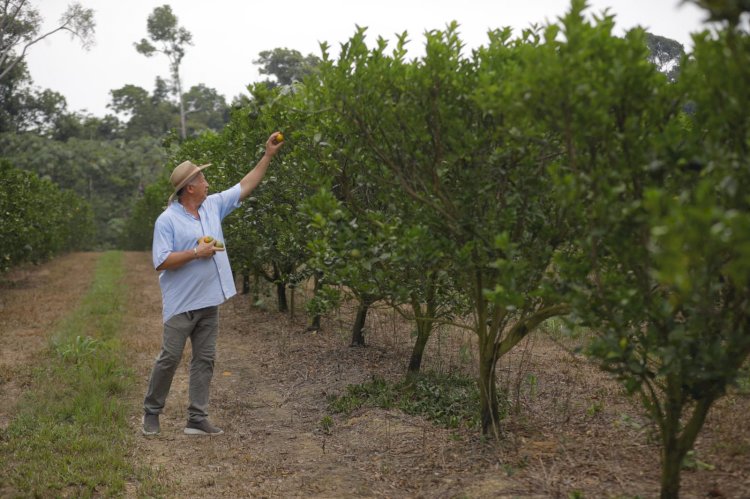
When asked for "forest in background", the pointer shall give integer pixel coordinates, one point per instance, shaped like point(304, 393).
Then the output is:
point(108, 162)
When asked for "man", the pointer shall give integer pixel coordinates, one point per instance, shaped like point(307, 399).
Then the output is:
point(195, 278)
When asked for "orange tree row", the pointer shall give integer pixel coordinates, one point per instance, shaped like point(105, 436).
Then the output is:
point(38, 219)
point(555, 174)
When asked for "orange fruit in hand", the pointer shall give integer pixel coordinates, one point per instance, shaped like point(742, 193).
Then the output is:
point(206, 239)
point(279, 138)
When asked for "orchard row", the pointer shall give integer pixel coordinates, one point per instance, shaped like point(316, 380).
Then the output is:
point(556, 174)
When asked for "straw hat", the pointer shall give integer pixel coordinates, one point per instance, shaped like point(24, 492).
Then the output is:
point(182, 175)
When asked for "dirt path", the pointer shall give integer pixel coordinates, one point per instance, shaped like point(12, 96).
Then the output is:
point(573, 431)
point(269, 396)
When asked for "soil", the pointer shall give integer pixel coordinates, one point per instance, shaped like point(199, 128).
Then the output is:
point(570, 431)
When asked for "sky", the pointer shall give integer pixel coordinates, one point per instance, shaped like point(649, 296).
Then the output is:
point(229, 34)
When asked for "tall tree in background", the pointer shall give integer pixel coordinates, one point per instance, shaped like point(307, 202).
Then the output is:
point(20, 28)
point(153, 115)
point(287, 65)
point(666, 54)
point(156, 114)
point(206, 108)
point(163, 30)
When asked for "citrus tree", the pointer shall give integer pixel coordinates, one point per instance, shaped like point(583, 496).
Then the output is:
point(660, 270)
point(39, 220)
point(366, 231)
point(478, 176)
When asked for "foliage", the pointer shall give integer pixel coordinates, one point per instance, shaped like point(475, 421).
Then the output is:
point(39, 220)
point(596, 194)
point(108, 174)
point(729, 11)
point(155, 115)
point(287, 66)
point(475, 177)
point(21, 24)
point(660, 273)
point(25, 108)
point(666, 54)
point(206, 109)
point(143, 114)
point(446, 399)
point(138, 233)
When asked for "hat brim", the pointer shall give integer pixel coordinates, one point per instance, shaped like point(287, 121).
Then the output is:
point(186, 181)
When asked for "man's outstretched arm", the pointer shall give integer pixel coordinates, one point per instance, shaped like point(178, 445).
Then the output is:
point(250, 181)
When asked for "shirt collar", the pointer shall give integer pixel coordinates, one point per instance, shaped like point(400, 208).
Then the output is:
point(180, 208)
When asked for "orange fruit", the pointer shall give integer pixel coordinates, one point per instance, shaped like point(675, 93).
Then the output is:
point(279, 138)
point(205, 239)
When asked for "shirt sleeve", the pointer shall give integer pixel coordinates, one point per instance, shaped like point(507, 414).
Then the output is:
point(228, 200)
point(163, 241)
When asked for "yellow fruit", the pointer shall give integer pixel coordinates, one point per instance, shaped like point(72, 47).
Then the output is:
point(355, 253)
point(208, 239)
point(219, 244)
point(279, 138)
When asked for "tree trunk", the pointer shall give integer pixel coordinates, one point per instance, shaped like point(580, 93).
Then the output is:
point(183, 127)
point(677, 441)
point(256, 288)
point(488, 391)
point(317, 286)
point(670, 471)
point(280, 289)
point(424, 329)
point(358, 330)
point(671, 453)
point(281, 297)
point(425, 321)
point(291, 302)
point(486, 330)
point(314, 324)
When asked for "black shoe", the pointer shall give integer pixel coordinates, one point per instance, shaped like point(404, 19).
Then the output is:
point(202, 428)
point(150, 424)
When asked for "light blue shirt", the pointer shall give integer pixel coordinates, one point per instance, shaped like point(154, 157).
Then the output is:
point(205, 282)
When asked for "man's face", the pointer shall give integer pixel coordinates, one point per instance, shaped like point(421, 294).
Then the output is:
point(199, 186)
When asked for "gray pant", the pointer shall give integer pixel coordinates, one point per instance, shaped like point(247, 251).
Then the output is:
point(201, 326)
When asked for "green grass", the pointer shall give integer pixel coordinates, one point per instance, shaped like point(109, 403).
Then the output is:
point(70, 435)
point(448, 400)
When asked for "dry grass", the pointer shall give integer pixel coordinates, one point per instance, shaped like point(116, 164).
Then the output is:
point(571, 427)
